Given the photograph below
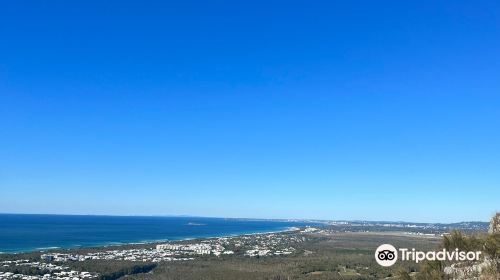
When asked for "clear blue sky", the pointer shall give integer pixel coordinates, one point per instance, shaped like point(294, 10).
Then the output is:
point(378, 110)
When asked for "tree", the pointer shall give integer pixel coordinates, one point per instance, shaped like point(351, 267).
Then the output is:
point(402, 274)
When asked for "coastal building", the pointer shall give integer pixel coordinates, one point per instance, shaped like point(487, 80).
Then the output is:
point(47, 257)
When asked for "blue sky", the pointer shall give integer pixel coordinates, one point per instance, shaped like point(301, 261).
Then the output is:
point(386, 110)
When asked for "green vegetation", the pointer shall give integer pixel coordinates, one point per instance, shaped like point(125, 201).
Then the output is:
point(488, 244)
point(112, 270)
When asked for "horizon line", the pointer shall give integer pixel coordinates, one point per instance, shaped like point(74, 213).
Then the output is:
point(240, 218)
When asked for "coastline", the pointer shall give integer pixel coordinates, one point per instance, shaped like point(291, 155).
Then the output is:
point(101, 246)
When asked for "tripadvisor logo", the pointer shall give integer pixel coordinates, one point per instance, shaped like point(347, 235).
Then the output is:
point(387, 255)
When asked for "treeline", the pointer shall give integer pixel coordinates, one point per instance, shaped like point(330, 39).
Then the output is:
point(112, 269)
point(127, 271)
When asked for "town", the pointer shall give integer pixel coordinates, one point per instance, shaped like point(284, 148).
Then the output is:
point(54, 265)
point(49, 271)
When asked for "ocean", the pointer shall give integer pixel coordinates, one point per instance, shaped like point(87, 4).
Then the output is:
point(24, 233)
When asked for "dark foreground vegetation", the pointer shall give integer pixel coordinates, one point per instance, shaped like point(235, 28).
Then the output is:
point(488, 244)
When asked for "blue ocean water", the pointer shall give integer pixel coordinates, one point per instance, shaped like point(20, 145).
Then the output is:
point(21, 233)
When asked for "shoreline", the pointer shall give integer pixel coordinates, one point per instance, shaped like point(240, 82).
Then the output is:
point(138, 243)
